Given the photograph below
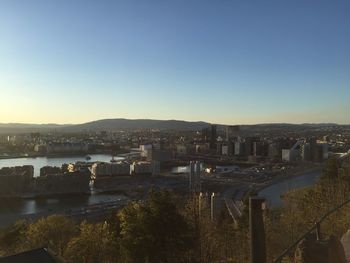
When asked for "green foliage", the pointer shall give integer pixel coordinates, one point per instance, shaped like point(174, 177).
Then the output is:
point(303, 207)
point(215, 241)
point(12, 238)
point(330, 172)
point(161, 229)
point(154, 231)
point(53, 232)
point(95, 243)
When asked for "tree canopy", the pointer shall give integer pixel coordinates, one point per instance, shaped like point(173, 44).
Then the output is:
point(154, 231)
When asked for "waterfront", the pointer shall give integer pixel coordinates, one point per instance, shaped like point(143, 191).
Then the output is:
point(15, 209)
point(53, 204)
point(39, 162)
point(273, 192)
point(23, 208)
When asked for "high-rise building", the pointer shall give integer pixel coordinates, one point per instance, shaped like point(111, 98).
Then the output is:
point(206, 134)
point(213, 136)
point(238, 148)
point(305, 152)
point(232, 132)
point(293, 154)
point(248, 146)
point(219, 146)
point(209, 135)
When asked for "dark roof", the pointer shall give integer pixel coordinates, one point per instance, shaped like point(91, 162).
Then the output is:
point(40, 255)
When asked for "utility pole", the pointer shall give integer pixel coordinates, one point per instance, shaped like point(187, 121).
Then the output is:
point(257, 230)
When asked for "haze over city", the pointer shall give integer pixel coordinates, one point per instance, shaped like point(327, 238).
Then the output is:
point(229, 62)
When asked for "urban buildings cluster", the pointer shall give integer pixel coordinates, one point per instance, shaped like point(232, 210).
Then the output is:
point(154, 152)
point(236, 143)
point(14, 180)
point(123, 168)
point(19, 181)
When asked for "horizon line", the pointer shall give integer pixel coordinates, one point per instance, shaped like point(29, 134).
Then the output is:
point(150, 119)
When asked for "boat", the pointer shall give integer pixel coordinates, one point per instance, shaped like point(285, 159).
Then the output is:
point(88, 158)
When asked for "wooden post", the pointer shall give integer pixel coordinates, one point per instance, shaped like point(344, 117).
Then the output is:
point(257, 231)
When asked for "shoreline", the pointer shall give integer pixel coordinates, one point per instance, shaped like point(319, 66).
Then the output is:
point(281, 178)
point(56, 155)
point(33, 196)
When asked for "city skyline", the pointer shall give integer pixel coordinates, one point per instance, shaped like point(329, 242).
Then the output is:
point(226, 63)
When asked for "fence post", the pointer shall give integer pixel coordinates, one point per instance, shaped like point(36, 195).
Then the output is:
point(318, 231)
point(257, 231)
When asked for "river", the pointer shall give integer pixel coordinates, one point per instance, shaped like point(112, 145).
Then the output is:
point(53, 204)
point(13, 210)
point(16, 209)
point(273, 192)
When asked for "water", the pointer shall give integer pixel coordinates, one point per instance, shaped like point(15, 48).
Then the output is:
point(273, 192)
point(39, 162)
point(12, 210)
point(184, 169)
point(180, 169)
point(56, 204)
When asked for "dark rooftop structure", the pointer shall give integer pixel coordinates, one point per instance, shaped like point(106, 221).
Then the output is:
point(40, 255)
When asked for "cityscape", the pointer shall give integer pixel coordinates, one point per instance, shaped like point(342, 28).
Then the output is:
point(221, 165)
point(174, 131)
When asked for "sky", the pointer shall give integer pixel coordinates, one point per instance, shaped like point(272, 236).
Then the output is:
point(221, 61)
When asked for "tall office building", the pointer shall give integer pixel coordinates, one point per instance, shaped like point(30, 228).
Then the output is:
point(209, 135)
point(238, 148)
point(232, 132)
point(213, 136)
point(305, 152)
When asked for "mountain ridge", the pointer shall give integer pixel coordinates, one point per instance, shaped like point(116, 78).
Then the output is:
point(123, 123)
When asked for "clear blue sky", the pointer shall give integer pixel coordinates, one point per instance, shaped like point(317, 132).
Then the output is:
point(222, 61)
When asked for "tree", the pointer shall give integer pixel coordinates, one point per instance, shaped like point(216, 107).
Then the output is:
point(95, 243)
point(154, 231)
point(12, 238)
point(330, 171)
point(54, 232)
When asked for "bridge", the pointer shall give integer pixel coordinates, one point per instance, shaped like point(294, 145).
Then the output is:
point(234, 208)
point(233, 201)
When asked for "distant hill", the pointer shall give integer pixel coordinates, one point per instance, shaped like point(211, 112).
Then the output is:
point(114, 124)
point(106, 124)
point(129, 124)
